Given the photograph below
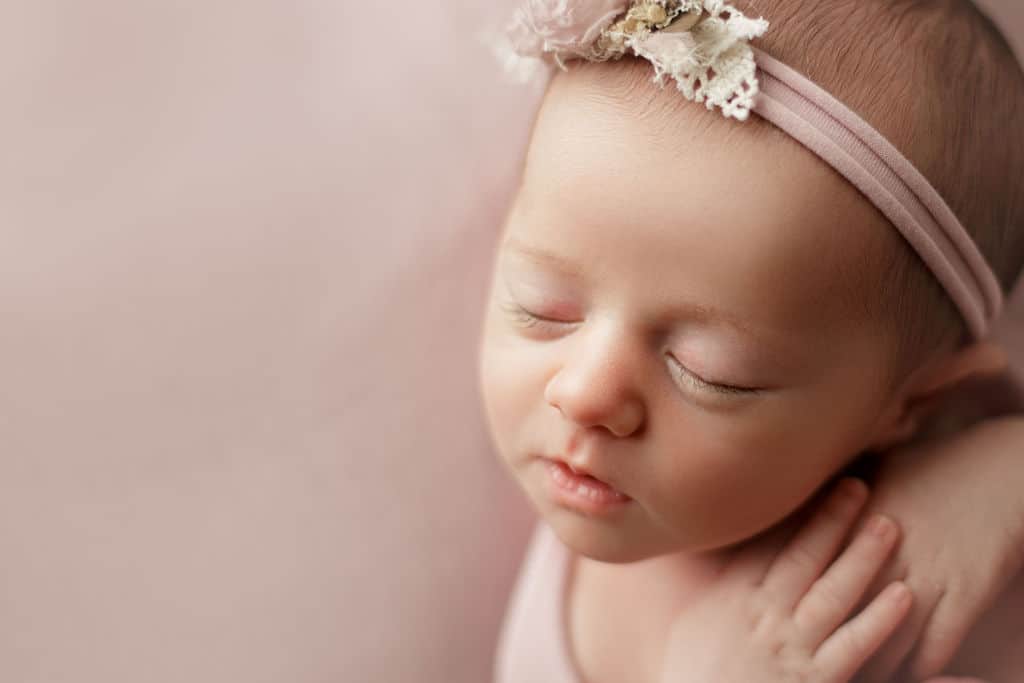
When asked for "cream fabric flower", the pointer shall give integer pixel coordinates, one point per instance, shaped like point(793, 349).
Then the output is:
point(703, 45)
point(561, 28)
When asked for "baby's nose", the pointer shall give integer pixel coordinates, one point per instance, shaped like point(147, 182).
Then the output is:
point(599, 386)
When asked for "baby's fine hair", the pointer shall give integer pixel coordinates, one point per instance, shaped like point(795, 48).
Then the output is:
point(941, 83)
point(938, 79)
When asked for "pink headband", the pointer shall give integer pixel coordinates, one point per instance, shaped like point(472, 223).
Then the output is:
point(702, 45)
point(883, 175)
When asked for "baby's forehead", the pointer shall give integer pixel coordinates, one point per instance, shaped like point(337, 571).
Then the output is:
point(611, 152)
point(623, 95)
point(611, 123)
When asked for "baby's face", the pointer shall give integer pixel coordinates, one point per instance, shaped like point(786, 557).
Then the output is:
point(673, 312)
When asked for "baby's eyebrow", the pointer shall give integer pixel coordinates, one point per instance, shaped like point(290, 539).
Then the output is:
point(567, 266)
point(710, 315)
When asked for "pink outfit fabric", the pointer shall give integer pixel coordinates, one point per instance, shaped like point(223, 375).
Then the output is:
point(534, 644)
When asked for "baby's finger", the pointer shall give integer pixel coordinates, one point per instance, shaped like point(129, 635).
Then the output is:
point(891, 656)
point(814, 546)
point(833, 596)
point(851, 645)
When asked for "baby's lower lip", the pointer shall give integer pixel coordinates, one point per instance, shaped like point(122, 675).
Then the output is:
point(581, 492)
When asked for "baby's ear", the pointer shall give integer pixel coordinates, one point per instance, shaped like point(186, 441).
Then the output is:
point(931, 384)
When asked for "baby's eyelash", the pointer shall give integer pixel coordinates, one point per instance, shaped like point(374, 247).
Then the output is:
point(525, 318)
point(689, 377)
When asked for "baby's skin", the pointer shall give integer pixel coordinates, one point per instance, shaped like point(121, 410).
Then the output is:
point(960, 502)
point(675, 311)
point(773, 615)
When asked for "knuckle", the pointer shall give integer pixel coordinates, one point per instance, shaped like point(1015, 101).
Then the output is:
point(803, 557)
point(830, 592)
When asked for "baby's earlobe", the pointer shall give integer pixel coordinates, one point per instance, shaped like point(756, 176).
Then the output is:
point(978, 359)
point(899, 431)
point(928, 397)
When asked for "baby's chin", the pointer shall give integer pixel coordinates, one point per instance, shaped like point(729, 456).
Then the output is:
point(621, 539)
point(629, 532)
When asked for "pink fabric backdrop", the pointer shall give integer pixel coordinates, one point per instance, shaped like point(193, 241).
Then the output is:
point(241, 266)
point(240, 276)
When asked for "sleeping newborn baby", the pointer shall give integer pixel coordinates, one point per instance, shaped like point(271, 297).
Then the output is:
point(698, 321)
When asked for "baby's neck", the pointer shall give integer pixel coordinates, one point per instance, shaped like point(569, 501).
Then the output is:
point(619, 614)
point(674, 567)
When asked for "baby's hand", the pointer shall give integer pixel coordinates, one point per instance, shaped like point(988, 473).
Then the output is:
point(785, 618)
point(960, 503)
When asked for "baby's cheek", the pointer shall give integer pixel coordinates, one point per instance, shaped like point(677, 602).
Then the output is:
point(508, 396)
point(741, 478)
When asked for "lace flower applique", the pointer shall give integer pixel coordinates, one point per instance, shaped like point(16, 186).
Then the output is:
point(701, 44)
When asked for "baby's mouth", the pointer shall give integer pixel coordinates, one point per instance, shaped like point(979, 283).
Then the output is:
point(583, 486)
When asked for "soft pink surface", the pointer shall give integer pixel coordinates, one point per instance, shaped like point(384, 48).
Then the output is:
point(240, 276)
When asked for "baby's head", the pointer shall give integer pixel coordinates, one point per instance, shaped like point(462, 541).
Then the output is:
point(706, 316)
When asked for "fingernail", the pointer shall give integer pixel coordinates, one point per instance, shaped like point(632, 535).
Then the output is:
point(900, 593)
point(880, 526)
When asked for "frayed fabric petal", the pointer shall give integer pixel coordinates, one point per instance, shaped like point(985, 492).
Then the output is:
point(703, 45)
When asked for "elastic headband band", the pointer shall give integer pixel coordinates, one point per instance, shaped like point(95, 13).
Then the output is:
point(864, 157)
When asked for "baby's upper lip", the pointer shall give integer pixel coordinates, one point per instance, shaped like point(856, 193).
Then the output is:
point(577, 466)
